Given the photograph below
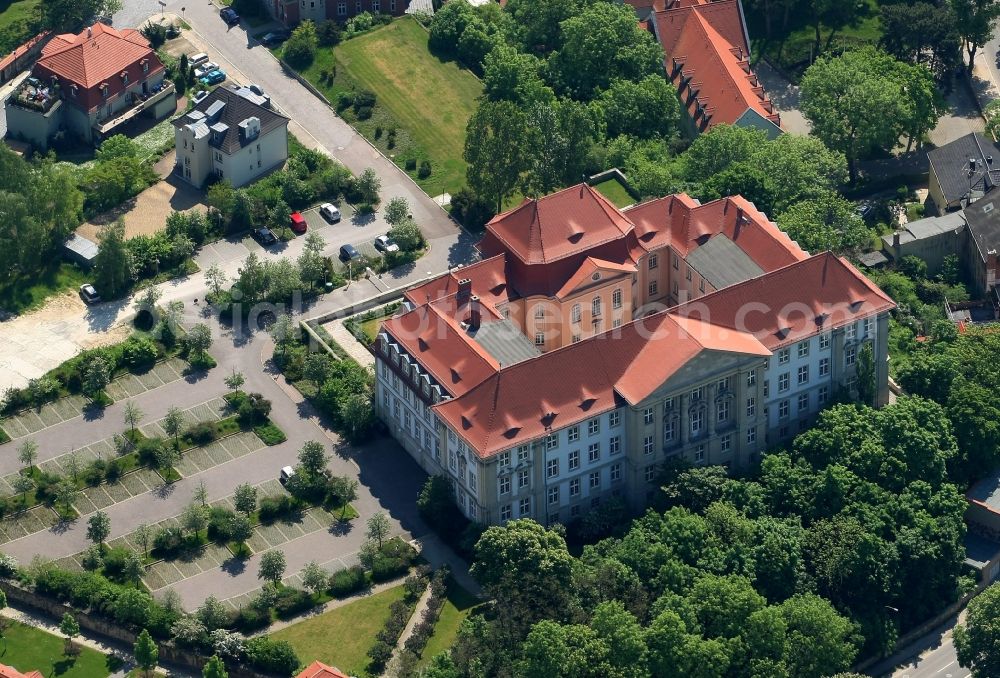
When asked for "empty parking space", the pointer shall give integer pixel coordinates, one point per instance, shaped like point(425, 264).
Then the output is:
point(219, 452)
point(131, 385)
point(28, 522)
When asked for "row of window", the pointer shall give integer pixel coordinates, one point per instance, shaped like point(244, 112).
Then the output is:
point(358, 8)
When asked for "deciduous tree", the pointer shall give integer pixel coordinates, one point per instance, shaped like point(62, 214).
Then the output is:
point(494, 149)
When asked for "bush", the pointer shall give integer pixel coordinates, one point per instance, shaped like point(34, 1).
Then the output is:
point(272, 508)
point(250, 619)
point(139, 352)
point(220, 524)
point(8, 566)
point(168, 540)
point(380, 654)
point(364, 113)
point(345, 582)
point(113, 471)
point(114, 562)
point(291, 601)
point(410, 164)
point(270, 434)
point(254, 409)
point(95, 472)
point(328, 33)
point(300, 49)
point(202, 433)
point(276, 656)
point(471, 210)
point(425, 170)
point(385, 568)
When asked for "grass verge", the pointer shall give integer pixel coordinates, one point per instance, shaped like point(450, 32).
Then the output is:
point(353, 626)
point(26, 293)
point(613, 190)
point(457, 606)
point(427, 100)
point(31, 649)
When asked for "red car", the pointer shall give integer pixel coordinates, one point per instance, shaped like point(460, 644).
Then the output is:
point(298, 223)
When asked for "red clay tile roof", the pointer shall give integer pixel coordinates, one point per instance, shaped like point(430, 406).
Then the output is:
point(22, 49)
point(708, 43)
point(89, 61)
point(11, 672)
point(489, 283)
point(565, 386)
point(792, 303)
point(92, 61)
point(320, 670)
point(559, 225)
point(432, 333)
point(682, 223)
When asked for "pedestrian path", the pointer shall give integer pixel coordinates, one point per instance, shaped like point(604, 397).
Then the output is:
point(349, 343)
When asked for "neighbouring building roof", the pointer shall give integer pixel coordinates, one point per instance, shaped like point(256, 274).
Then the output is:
point(979, 551)
point(708, 59)
point(320, 670)
point(222, 111)
point(95, 55)
point(950, 164)
point(504, 341)
point(22, 50)
point(927, 228)
point(983, 218)
point(11, 672)
point(986, 492)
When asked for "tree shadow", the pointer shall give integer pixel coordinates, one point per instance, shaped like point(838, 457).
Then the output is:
point(234, 566)
point(340, 527)
point(63, 665)
point(164, 490)
point(193, 375)
point(93, 411)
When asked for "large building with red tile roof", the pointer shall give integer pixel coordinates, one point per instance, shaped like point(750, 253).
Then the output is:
point(11, 672)
point(707, 58)
point(88, 84)
point(590, 344)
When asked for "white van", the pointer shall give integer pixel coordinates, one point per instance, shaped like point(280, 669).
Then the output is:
point(286, 473)
point(197, 59)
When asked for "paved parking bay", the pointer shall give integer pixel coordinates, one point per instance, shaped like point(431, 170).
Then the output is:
point(219, 452)
point(29, 522)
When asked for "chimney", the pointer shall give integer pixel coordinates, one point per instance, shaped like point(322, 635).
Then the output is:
point(972, 165)
point(464, 289)
point(90, 32)
point(895, 241)
point(989, 160)
point(475, 314)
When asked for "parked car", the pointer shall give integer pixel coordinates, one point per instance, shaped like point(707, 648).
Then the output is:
point(384, 243)
point(298, 223)
point(286, 473)
point(205, 68)
point(213, 78)
point(256, 89)
point(197, 59)
point(89, 294)
point(230, 16)
point(265, 236)
point(199, 95)
point(349, 253)
point(329, 212)
point(274, 38)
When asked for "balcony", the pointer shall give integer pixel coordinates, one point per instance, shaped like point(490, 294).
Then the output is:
point(140, 102)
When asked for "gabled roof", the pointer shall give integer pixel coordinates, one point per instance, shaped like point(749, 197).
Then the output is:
point(97, 54)
point(559, 225)
point(22, 49)
point(489, 283)
point(950, 164)
point(227, 108)
point(573, 383)
point(792, 303)
point(708, 59)
point(320, 670)
point(587, 270)
point(11, 672)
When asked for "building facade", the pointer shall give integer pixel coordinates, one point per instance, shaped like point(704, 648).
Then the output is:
point(227, 136)
point(292, 12)
point(670, 329)
point(88, 85)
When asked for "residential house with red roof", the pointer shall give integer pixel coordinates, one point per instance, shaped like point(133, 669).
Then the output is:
point(707, 57)
point(591, 344)
point(11, 672)
point(320, 670)
point(88, 85)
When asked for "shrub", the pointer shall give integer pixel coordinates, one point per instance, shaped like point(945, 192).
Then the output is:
point(328, 33)
point(345, 582)
point(167, 540)
point(386, 568)
point(95, 472)
point(364, 113)
point(114, 562)
point(291, 601)
point(8, 566)
point(149, 451)
point(344, 100)
point(378, 131)
point(250, 619)
point(202, 433)
point(113, 471)
point(220, 524)
point(471, 210)
point(272, 508)
point(139, 352)
point(425, 169)
point(254, 409)
point(410, 164)
point(380, 653)
point(272, 655)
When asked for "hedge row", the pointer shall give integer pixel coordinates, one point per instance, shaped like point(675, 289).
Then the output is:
point(399, 613)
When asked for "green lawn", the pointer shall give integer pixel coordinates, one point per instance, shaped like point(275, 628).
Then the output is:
point(343, 636)
point(15, 19)
point(793, 48)
point(456, 608)
point(613, 190)
point(23, 294)
point(428, 101)
point(31, 649)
